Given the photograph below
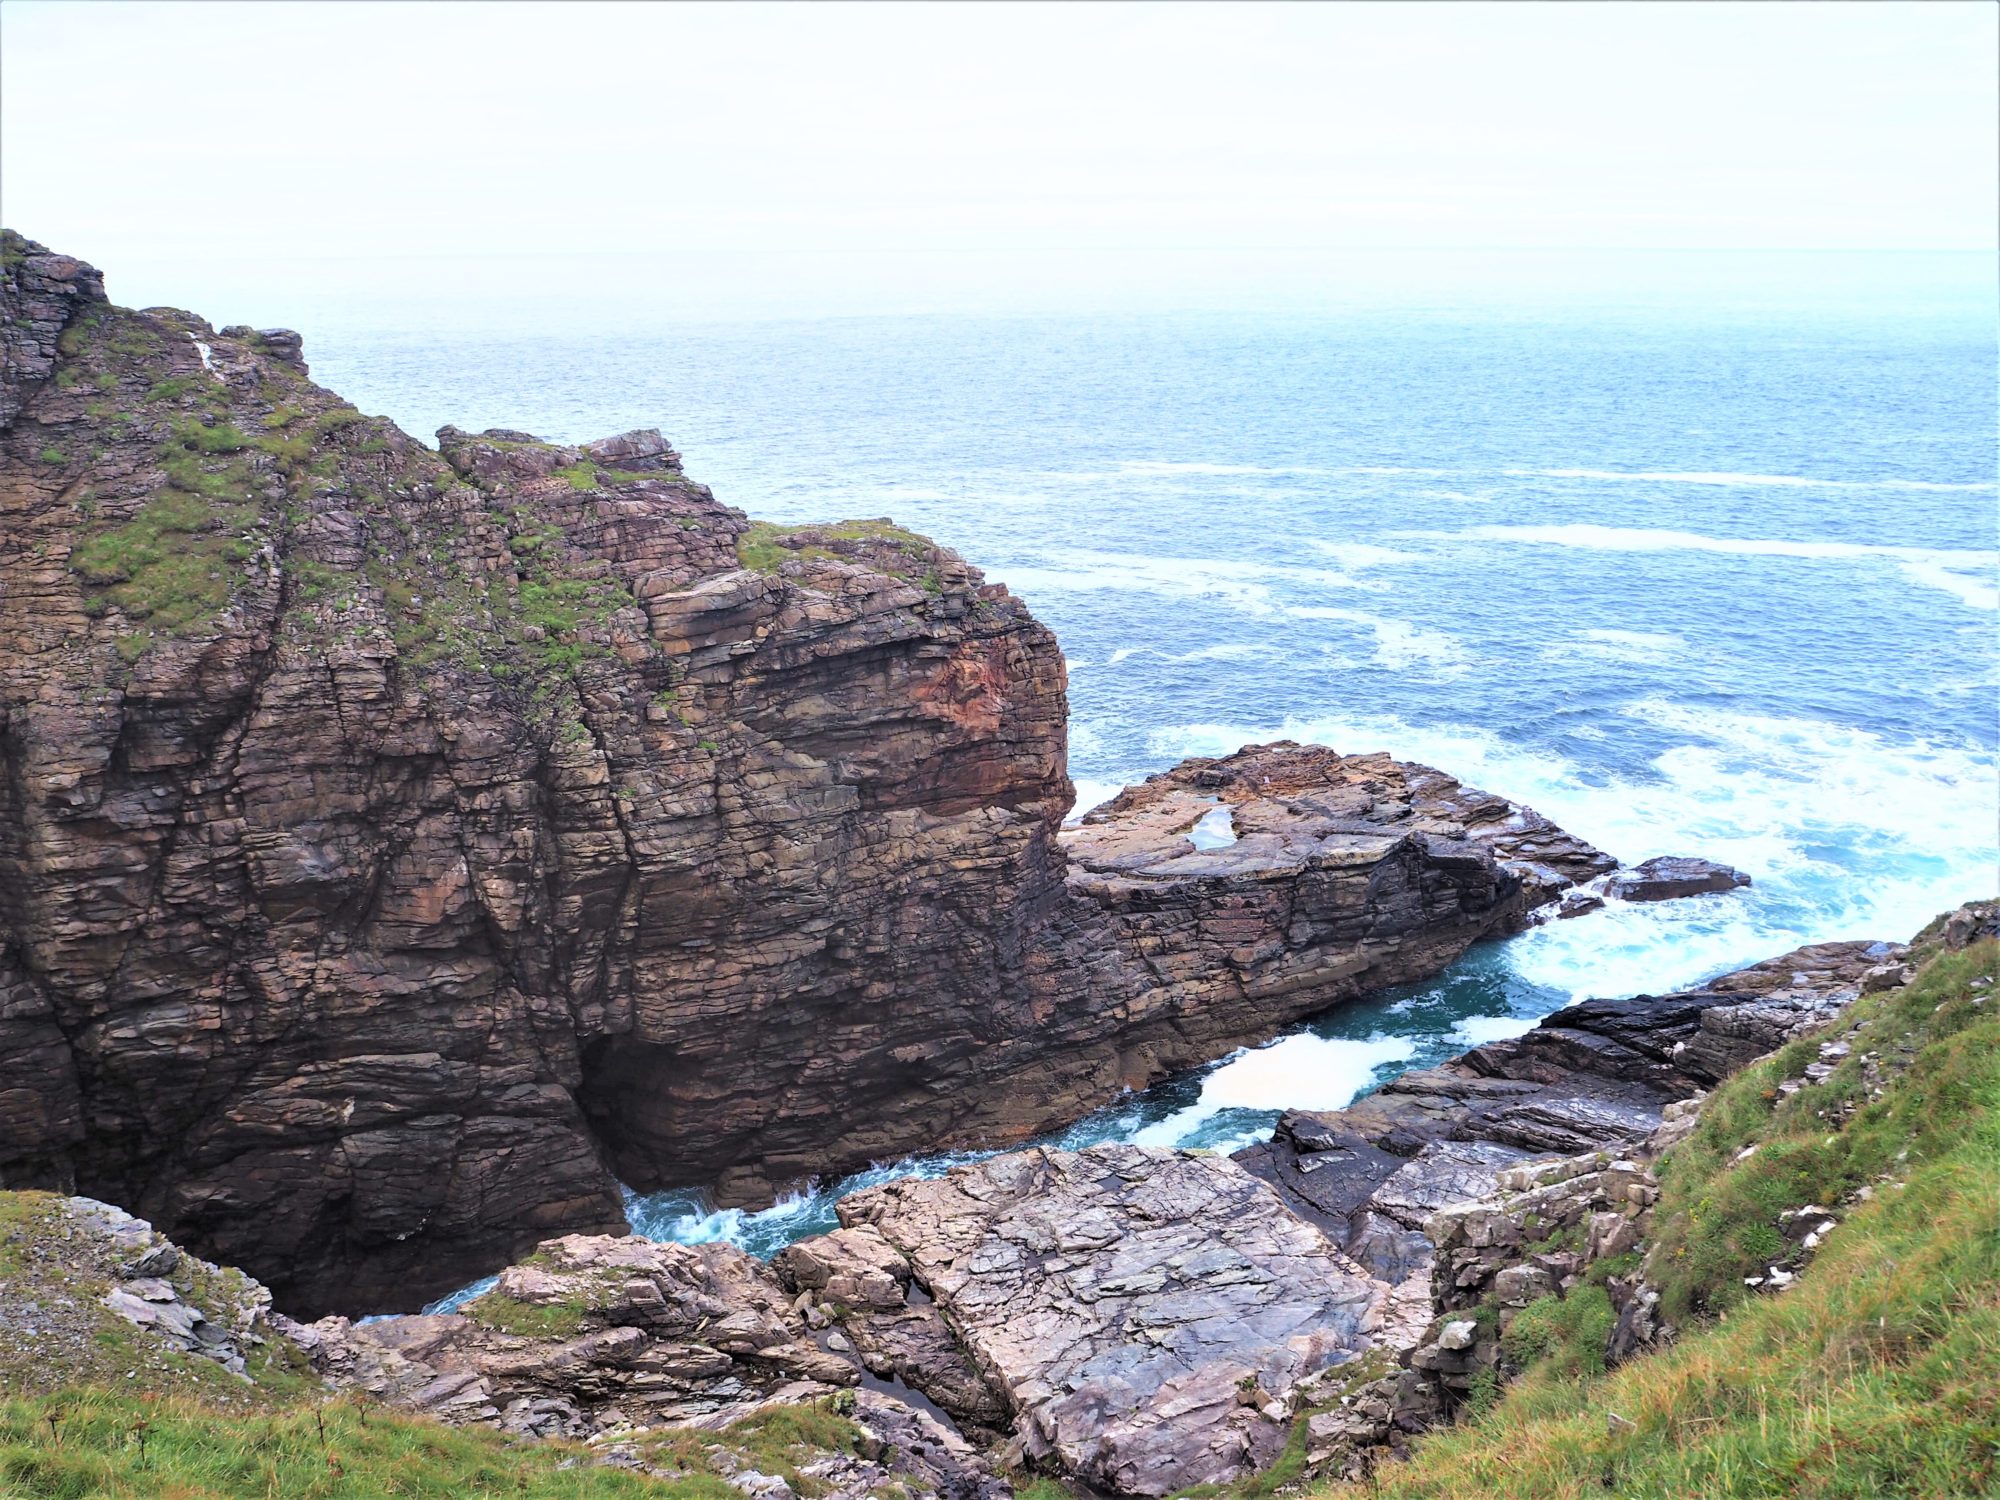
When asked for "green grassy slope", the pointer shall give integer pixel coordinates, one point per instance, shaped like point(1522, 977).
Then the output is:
point(98, 1443)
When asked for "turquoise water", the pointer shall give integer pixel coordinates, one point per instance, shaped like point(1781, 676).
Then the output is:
point(1690, 579)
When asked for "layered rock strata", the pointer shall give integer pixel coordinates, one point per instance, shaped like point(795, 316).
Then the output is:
point(400, 848)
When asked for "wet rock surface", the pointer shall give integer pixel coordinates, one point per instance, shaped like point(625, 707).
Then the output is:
point(399, 849)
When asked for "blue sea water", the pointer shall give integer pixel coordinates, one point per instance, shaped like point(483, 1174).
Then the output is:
point(1717, 581)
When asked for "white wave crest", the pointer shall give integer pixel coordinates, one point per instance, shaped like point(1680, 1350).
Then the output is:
point(1243, 586)
point(1094, 793)
point(1965, 574)
point(1399, 645)
point(1300, 1071)
point(1476, 1031)
point(1641, 647)
point(1718, 477)
point(1361, 554)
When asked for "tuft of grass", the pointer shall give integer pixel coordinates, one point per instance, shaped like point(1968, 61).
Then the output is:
point(1877, 1373)
point(223, 437)
point(530, 1320)
point(1561, 1337)
point(766, 546)
point(172, 565)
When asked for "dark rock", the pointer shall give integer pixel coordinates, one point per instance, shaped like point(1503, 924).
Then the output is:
point(1671, 876)
point(284, 344)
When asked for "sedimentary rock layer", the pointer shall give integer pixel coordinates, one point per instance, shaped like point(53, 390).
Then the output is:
point(400, 848)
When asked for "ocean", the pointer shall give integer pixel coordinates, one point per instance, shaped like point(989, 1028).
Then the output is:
point(1688, 577)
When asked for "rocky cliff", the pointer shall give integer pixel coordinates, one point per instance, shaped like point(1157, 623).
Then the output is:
point(400, 848)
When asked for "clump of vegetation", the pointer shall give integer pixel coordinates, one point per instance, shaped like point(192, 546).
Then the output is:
point(1565, 1336)
point(221, 437)
point(766, 546)
point(173, 564)
point(1877, 1373)
point(557, 608)
point(533, 1320)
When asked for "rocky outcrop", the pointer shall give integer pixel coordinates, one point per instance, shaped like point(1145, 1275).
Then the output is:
point(593, 1334)
point(682, 1366)
point(400, 849)
point(1595, 1076)
point(1672, 876)
point(612, 1339)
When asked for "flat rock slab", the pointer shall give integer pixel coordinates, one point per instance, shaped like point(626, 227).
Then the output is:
point(1144, 1312)
point(1288, 805)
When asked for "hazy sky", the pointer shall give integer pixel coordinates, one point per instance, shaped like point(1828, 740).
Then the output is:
point(863, 156)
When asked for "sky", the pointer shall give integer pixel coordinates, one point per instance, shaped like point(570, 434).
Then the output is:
point(836, 158)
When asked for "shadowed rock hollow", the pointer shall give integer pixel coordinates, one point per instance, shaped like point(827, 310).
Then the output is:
point(399, 848)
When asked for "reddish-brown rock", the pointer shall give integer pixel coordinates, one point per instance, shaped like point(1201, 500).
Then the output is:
point(399, 848)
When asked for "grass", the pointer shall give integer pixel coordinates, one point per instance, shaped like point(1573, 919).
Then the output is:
point(106, 1444)
point(1878, 1373)
point(172, 565)
point(69, 1338)
point(94, 1407)
point(534, 1320)
point(222, 437)
point(766, 546)
point(772, 1442)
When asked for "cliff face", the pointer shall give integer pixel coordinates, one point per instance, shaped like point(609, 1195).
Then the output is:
point(400, 848)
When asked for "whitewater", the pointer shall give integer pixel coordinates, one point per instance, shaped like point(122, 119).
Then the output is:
point(1685, 579)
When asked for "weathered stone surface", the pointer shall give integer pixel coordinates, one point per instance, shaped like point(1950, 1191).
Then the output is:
point(641, 1336)
point(1144, 1313)
point(645, 1334)
point(398, 849)
point(1671, 876)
